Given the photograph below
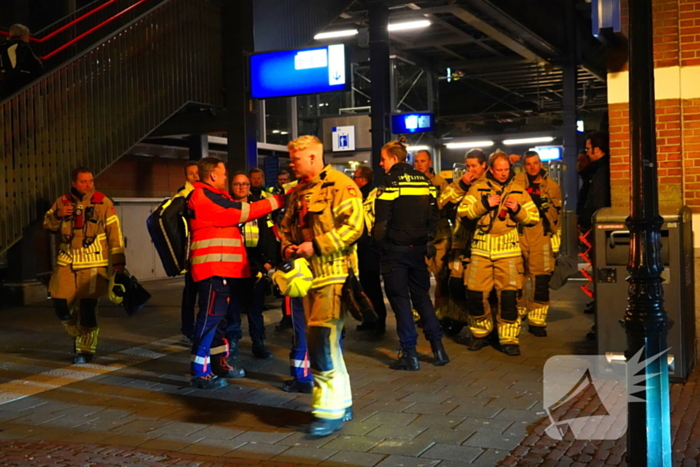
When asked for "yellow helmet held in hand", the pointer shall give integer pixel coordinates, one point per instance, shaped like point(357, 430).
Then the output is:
point(294, 278)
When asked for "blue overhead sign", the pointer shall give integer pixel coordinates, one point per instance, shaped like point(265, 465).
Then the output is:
point(605, 15)
point(296, 72)
point(412, 123)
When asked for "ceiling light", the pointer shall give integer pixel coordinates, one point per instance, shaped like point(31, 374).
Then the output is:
point(409, 25)
point(418, 148)
point(469, 144)
point(275, 131)
point(333, 34)
point(515, 142)
point(284, 132)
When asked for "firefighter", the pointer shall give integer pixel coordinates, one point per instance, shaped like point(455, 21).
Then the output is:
point(249, 293)
point(536, 243)
point(91, 241)
point(499, 204)
point(458, 258)
point(323, 221)
point(423, 162)
point(406, 217)
point(218, 259)
point(189, 293)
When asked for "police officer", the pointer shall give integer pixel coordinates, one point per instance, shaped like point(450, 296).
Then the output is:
point(90, 241)
point(498, 203)
point(368, 253)
point(423, 162)
point(456, 315)
point(406, 217)
point(323, 221)
point(538, 243)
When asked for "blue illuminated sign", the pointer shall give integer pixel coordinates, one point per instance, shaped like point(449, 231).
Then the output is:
point(549, 153)
point(412, 123)
point(296, 72)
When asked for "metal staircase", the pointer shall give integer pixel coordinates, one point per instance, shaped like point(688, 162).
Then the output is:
point(102, 100)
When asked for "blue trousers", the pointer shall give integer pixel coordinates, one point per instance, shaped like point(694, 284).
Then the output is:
point(299, 354)
point(208, 338)
point(249, 295)
point(407, 281)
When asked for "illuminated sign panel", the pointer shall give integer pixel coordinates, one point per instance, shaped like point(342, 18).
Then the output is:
point(412, 123)
point(297, 72)
point(549, 153)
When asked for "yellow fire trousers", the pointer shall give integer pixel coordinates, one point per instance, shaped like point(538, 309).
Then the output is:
point(325, 322)
point(505, 276)
point(538, 262)
point(74, 286)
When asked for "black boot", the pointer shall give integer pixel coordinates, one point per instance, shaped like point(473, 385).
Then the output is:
point(408, 360)
point(512, 350)
point(477, 343)
point(208, 382)
point(294, 385)
point(439, 353)
point(322, 427)
point(539, 331)
point(232, 350)
point(260, 351)
point(348, 415)
point(221, 368)
point(82, 358)
point(284, 324)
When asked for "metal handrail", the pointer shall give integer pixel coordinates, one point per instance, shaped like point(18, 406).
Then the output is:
point(98, 104)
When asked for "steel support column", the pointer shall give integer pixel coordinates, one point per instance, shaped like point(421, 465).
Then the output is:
point(199, 146)
point(569, 183)
point(646, 322)
point(380, 77)
point(238, 42)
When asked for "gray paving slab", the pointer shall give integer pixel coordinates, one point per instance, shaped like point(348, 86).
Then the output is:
point(349, 458)
point(392, 418)
point(452, 453)
point(353, 443)
point(444, 421)
point(428, 397)
point(389, 406)
point(258, 451)
point(306, 455)
point(402, 447)
point(262, 437)
point(477, 424)
point(493, 440)
point(518, 403)
point(302, 440)
point(394, 431)
point(406, 461)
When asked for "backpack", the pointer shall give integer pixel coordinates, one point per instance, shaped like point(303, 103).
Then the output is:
point(170, 233)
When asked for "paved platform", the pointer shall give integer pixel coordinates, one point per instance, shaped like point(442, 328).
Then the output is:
point(133, 404)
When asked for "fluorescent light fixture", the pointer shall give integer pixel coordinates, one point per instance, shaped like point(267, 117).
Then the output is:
point(334, 34)
point(284, 132)
point(469, 144)
point(409, 25)
point(515, 142)
point(418, 148)
point(275, 131)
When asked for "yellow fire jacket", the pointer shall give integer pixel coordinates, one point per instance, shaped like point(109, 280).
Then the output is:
point(92, 236)
point(549, 207)
point(446, 218)
point(497, 238)
point(327, 211)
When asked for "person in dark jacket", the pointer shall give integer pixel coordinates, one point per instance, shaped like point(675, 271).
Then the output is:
point(406, 218)
point(18, 64)
point(368, 257)
point(596, 180)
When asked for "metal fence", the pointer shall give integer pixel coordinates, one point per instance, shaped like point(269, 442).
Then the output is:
point(94, 108)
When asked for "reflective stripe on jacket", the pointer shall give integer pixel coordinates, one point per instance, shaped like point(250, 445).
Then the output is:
point(217, 247)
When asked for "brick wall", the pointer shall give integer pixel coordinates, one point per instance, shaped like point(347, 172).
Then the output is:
point(142, 177)
point(676, 44)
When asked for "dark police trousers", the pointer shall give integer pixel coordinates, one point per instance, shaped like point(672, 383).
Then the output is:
point(208, 338)
point(249, 294)
point(189, 300)
point(406, 281)
point(368, 265)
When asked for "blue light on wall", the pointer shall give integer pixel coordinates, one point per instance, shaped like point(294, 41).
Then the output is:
point(297, 72)
point(412, 123)
point(605, 15)
point(549, 153)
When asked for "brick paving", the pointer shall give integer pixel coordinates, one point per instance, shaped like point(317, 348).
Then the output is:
point(133, 406)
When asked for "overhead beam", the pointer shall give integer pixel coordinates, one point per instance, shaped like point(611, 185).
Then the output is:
point(497, 35)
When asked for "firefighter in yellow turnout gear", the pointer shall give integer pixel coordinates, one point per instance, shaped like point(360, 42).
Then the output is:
point(499, 204)
point(91, 240)
point(536, 242)
point(456, 316)
point(323, 221)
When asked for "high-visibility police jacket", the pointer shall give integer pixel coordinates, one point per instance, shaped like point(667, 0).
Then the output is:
point(443, 230)
point(547, 197)
point(216, 245)
point(92, 236)
point(406, 207)
point(463, 231)
point(327, 211)
point(497, 238)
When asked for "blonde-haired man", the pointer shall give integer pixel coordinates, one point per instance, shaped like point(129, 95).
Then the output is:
point(323, 221)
